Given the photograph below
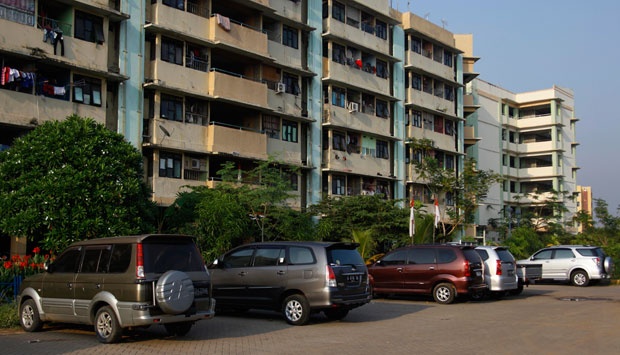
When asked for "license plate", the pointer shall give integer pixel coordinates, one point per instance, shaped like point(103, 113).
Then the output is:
point(478, 273)
point(353, 278)
point(511, 272)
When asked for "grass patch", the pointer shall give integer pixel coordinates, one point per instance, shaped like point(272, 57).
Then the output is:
point(8, 315)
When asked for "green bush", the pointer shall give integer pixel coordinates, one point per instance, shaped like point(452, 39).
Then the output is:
point(8, 315)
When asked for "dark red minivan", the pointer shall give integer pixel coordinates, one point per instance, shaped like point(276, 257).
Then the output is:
point(444, 271)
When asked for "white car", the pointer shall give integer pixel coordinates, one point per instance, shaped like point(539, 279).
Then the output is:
point(578, 264)
point(500, 270)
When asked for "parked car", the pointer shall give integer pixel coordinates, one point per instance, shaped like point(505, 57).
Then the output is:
point(443, 271)
point(499, 270)
point(296, 278)
point(121, 282)
point(579, 264)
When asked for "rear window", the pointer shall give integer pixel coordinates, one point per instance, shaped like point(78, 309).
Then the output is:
point(344, 257)
point(505, 255)
point(471, 255)
point(483, 254)
point(591, 252)
point(161, 256)
point(445, 255)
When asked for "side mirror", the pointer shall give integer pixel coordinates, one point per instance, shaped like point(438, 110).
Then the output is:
point(281, 261)
point(48, 266)
point(379, 263)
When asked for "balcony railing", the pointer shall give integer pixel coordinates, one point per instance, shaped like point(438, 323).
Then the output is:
point(197, 63)
point(52, 24)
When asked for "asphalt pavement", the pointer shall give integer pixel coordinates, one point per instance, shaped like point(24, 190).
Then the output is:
point(544, 319)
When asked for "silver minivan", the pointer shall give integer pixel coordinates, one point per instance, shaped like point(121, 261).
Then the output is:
point(296, 278)
point(500, 270)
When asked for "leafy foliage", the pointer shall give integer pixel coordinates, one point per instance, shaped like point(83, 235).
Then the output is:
point(71, 180)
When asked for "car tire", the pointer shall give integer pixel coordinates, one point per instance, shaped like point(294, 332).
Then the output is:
point(336, 313)
point(296, 310)
point(174, 292)
point(579, 278)
point(608, 265)
point(107, 328)
point(178, 329)
point(444, 293)
point(29, 317)
point(517, 291)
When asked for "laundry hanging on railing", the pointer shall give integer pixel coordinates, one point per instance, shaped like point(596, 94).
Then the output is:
point(223, 21)
point(18, 77)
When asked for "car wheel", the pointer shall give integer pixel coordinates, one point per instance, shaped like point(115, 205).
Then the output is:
point(517, 291)
point(336, 313)
point(444, 293)
point(174, 292)
point(579, 278)
point(296, 310)
point(608, 265)
point(477, 295)
point(29, 316)
point(107, 328)
point(178, 329)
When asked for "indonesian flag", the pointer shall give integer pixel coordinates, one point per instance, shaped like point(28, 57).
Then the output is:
point(411, 219)
point(437, 216)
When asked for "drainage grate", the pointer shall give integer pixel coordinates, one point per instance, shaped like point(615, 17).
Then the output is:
point(579, 299)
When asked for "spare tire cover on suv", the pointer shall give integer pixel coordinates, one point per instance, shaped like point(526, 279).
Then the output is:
point(608, 265)
point(174, 292)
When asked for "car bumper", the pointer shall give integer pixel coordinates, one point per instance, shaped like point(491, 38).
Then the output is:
point(132, 315)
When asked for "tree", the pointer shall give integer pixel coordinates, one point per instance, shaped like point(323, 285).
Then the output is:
point(469, 188)
point(71, 180)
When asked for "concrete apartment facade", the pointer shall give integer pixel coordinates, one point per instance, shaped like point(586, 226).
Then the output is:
point(530, 139)
point(338, 89)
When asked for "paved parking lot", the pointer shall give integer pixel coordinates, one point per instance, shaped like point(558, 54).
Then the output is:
point(544, 319)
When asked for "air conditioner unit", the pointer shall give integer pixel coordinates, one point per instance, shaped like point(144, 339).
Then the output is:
point(281, 88)
point(354, 107)
point(195, 164)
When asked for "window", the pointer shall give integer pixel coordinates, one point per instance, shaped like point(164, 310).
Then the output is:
point(421, 256)
point(383, 110)
point(416, 119)
point(416, 81)
point(447, 58)
point(382, 69)
point(88, 27)
point(382, 150)
point(338, 11)
point(171, 108)
point(170, 165)
point(511, 136)
point(338, 53)
point(96, 259)
point(67, 262)
point(290, 37)
point(437, 53)
point(271, 126)
point(427, 119)
point(339, 141)
point(338, 96)
point(292, 83)
point(86, 90)
point(449, 162)
point(338, 185)
point(427, 85)
point(301, 255)
point(563, 254)
point(448, 92)
point(395, 258)
point(120, 258)
point(266, 256)
point(171, 51)
point(174, 3)
point(239, 258)
point(449, 127)
point(293, 179)
point(289, 131)
point(438, 124)
point(416, 45)
point(381, 29)
point(438, 88)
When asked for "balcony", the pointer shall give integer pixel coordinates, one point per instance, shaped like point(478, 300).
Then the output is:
point(470, 136)
point(285, 55)
point(351, 75)
point(284, 151)
point(537, 147)
point(26, 109)
point(166, 190)
point(77, 53)
point(237, 141)
point(362, 39)
point(289, 9)
point(193, 23)
point(177, 76)
point(531, 122)
point(235, 87)
point(340, 116)
point(177, 135)
point(548, 171)
point(430, 101)
point(238, 36)
point(431, 66)
point(355, 163)
point(283, 102)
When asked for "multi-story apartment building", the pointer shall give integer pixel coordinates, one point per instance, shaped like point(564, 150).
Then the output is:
point(433, 104)
point(584, 203)
point(340, 89)
point(529, 138)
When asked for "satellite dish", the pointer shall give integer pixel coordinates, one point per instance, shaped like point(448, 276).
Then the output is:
point(444, 23)
point(163, 129)
point(426, 15)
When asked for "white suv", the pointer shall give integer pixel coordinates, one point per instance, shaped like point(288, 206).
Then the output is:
point(576, 263)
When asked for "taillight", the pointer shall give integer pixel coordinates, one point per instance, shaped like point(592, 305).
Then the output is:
point(139, 261)
point(498, 269)
point(467, 268)
point(330, 277)
point(597, 261)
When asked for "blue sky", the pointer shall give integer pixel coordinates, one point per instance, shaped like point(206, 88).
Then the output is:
point(529, 45)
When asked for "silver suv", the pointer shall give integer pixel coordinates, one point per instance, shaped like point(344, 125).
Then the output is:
point(121, 282)
point(578, 264)
point(296, 278)
point(500, 270)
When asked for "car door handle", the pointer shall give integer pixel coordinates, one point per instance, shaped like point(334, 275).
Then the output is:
point(69, 285)
point(97, 286)
point(281, 272)
point(399, 269)
point(431, 268)
point(242, 273)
